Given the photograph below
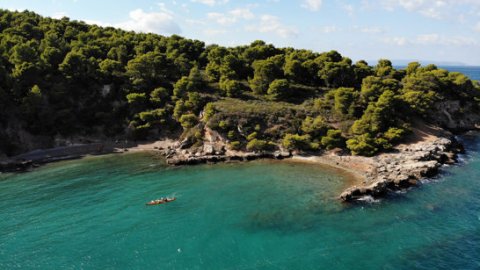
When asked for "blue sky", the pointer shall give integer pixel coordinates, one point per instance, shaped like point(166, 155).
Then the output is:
point(435, 30)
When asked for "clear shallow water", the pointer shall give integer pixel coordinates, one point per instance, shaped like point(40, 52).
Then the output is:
point(90, 214)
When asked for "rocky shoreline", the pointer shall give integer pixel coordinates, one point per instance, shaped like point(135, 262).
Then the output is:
point(186, 158)
point(404, 167)
point(33, 159)
point(399, 169)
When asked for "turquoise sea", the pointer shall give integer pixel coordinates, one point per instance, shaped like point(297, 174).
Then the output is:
point(90, 214)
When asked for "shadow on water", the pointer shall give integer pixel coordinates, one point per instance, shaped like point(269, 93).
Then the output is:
point(462, 251)
point(288, 219)
point(280, 221)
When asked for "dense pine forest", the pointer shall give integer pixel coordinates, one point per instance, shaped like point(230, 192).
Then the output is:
point(64, 79)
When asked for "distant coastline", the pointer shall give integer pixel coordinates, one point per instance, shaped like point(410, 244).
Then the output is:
point(473, 72)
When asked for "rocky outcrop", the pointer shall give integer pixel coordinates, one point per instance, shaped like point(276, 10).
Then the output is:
point(212, 154)
point(455, 116)
point(16, 166)
point(33, 159)
point(404, 167)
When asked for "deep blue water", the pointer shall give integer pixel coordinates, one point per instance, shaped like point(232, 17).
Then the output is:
point(90, 214)
point(473, 72)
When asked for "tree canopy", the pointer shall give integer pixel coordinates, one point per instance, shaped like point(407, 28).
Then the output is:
point(68, 78)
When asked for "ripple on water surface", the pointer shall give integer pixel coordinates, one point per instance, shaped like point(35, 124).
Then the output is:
point(90, 214)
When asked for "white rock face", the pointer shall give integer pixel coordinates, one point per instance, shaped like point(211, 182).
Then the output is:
point(106, 89)
point(404, 168)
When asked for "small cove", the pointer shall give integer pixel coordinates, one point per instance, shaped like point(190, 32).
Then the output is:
point(90, 214)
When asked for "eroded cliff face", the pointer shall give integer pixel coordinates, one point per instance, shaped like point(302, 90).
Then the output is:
point(456, 116)
point(16, 140)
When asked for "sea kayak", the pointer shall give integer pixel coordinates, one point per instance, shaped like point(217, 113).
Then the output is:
point(161, 201)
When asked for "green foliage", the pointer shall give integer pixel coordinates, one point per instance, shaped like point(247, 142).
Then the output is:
point(148, 70)
point(194, 101)
point(420, 102)
point(422, 89)
point(279, 89)
point(394, 134)
point(111, 67)
point(333, 139)
point(383, 144)
point(223, 124)
point(69, 78)
point(181, 87)
point(32, 102)
point(345, 101)
point(232, 88)
point(338, 74)
point(373, 87)
point(140, 131)
point(259, 145)
point(252, 136)
point(314, 126)
point(412, 68)
point(153, 116)
point(294, 70)
point(188, 120)
point(235, 145)
point(158, 95)
point(195, 80)
point(298, 142)
point(137, 98)
point(76, 66)
point(36, 91)
point(209, 111)
point(378, 116)
point(361, 70)
point(214, 56)
point(363, 145)
point(23, 53)
point(384, 68)
point(232, 67)
point(265, 72)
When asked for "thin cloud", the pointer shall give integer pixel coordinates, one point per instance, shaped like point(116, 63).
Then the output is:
point(313, 5)
point(329, 29)
point(398, 41)
point(210, 2)
point(59, 15)
point(153, 22)
point(477, 27)
point(435, 9)
point(432, 39)
point(231, 17)
point(272, 24)
point(349, 9)
point(214, 32)
point(147, 22)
